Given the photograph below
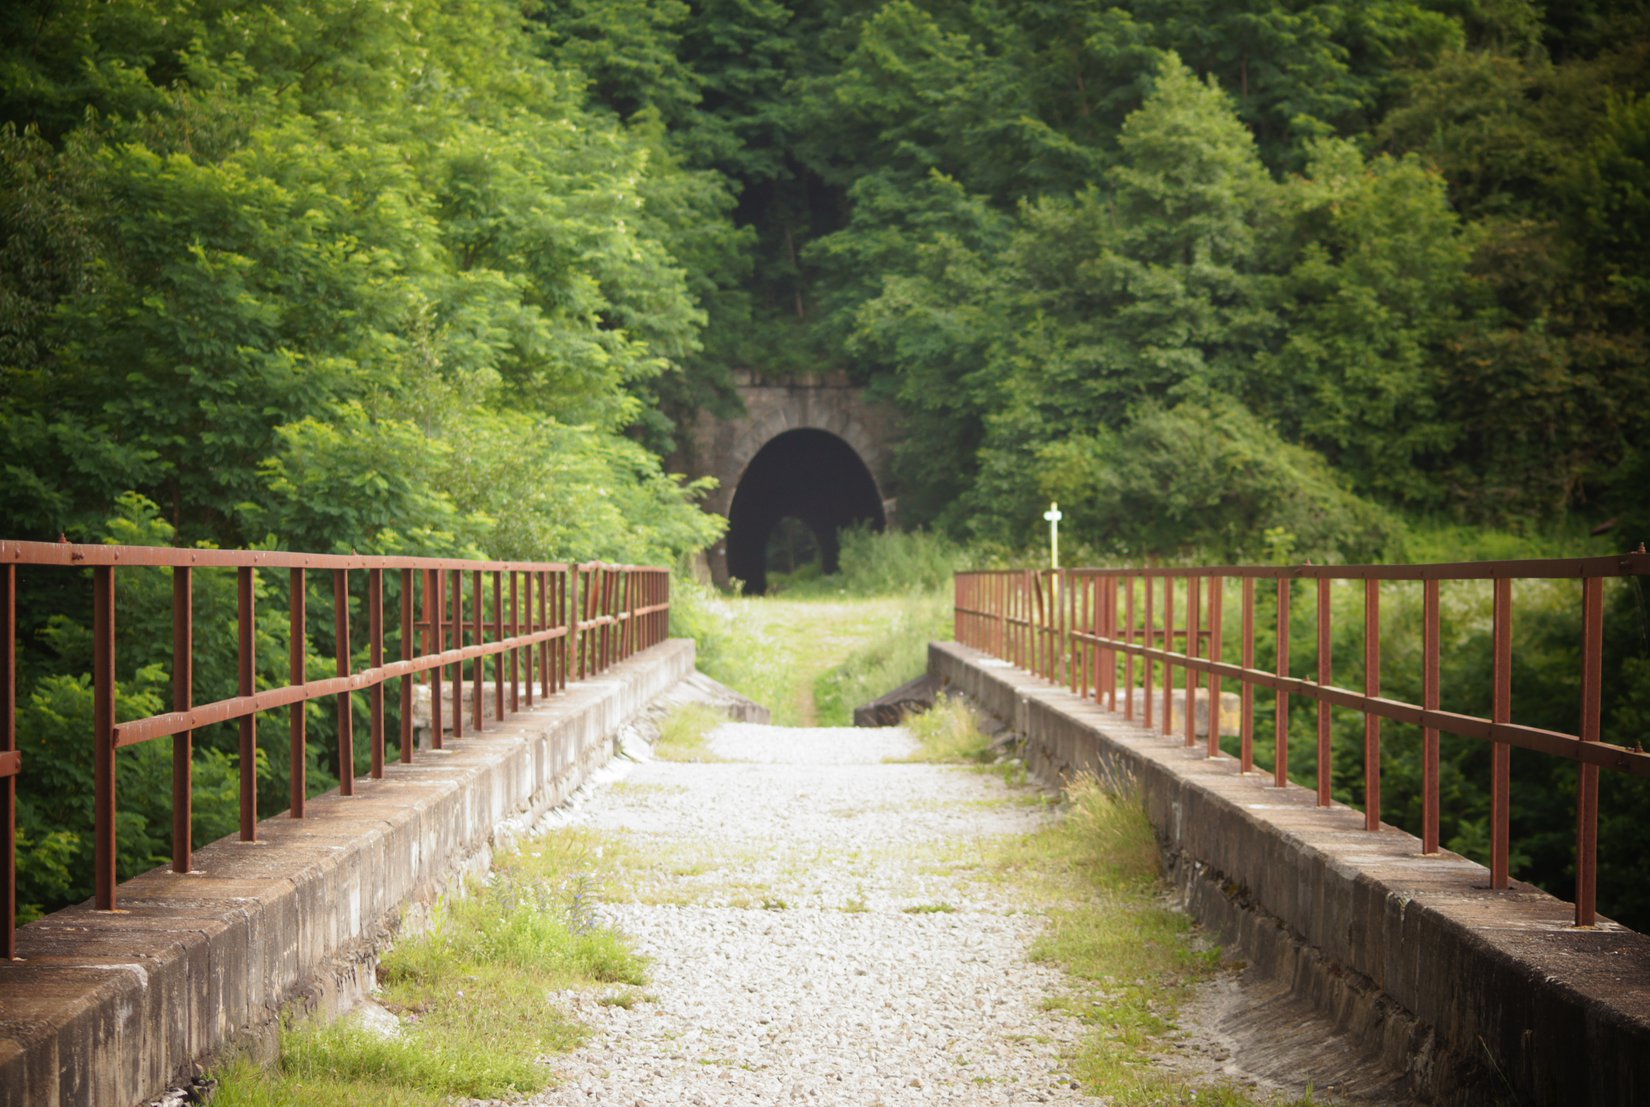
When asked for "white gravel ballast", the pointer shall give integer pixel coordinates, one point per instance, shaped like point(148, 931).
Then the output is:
point(814, 935)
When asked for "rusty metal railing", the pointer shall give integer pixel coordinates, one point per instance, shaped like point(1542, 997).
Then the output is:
point(1099, 630)
point(548, 621)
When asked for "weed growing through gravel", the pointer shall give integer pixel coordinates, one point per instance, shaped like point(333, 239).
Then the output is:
point(471, 993)
point(1132, 957)
point(949, 734)
point(685, 733)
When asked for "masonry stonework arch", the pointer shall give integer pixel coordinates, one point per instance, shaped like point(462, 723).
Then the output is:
point(725, 447)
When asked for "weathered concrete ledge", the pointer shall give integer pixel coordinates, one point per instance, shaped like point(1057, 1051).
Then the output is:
point(1478, 996)
point(112, 1008)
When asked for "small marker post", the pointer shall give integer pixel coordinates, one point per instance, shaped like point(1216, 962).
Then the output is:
point(1053, 516)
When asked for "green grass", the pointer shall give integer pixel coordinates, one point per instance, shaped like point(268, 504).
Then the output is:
point(685, 733)
point(949, 733)
point(816, 647)
point(896, 655)
point(473, 994)
point(810, 660)
point(1130, 956)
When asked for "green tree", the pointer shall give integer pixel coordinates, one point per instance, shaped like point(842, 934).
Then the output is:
point(1372, 293)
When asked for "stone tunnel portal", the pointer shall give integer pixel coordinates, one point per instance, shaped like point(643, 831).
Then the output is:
point(810, 475)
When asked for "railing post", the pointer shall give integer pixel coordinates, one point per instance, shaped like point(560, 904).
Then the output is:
point(608, 610)
point(458, 644)
point(1501, 753)
point(1111, 585)
point(8, 762)
point(515, 654)
point(435, 601)
point(1592, 665)
point(1194, 638)
point(1430, 649)
point(1280, 747)
point(183, 698)
point(247, 625)
point(527, 580)
point(409, 578)
point(1246, 728)
point(1168, 647)
point(346, 715)
point(547, 622)
point(999, 603)
point(375, 655)
point(478, 710)
point(1128, 658)
point(297, 657)
point(1216, 594)
point(1148, 638)
point(567, 597)
point(103, 735)
point(1324, 677)
point(1372, 721)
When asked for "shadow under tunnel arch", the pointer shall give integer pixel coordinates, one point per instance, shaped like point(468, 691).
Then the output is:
point(811, 475)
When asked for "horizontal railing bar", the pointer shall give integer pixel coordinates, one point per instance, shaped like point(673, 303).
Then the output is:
point(1556, 743)
point(237, 707)
point(1043, 627)
point(11, 763)
point(78, 555)
point(1552, 568)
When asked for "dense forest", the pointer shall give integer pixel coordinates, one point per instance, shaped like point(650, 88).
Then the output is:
point(1262, 279)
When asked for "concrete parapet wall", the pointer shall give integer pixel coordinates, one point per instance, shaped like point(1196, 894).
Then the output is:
point(1478, 996)
point(111, 1008)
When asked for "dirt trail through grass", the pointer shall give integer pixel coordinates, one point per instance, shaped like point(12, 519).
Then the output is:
point(813, 660)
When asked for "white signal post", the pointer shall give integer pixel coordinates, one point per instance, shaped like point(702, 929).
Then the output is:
point(1053, 516)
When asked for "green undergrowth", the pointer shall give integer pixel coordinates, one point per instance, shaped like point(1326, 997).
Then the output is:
point(812, 659)
point(949, 733)
point(472, 993)
point(816, 647)
point(685, 733)
point(1130, 957)
point(898, 655)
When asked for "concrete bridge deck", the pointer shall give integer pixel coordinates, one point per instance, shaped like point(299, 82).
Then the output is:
point(1476, 998)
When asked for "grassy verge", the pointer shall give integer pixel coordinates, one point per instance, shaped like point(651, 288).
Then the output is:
point(810, 660)
point(898, 653)
point(1131, 957)
point(949, 734)
point(471, 994)
point(685, 733)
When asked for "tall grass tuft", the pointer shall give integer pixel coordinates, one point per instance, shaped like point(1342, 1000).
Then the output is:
point(685, 733)
point(473, 994)
point(949, 733)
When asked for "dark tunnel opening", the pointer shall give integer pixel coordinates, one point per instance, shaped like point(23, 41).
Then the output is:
point(809, 475)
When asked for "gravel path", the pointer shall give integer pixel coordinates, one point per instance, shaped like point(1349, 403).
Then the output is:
point(815, 935)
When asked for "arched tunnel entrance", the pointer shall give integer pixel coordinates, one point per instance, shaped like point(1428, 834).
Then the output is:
point(808, 475)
